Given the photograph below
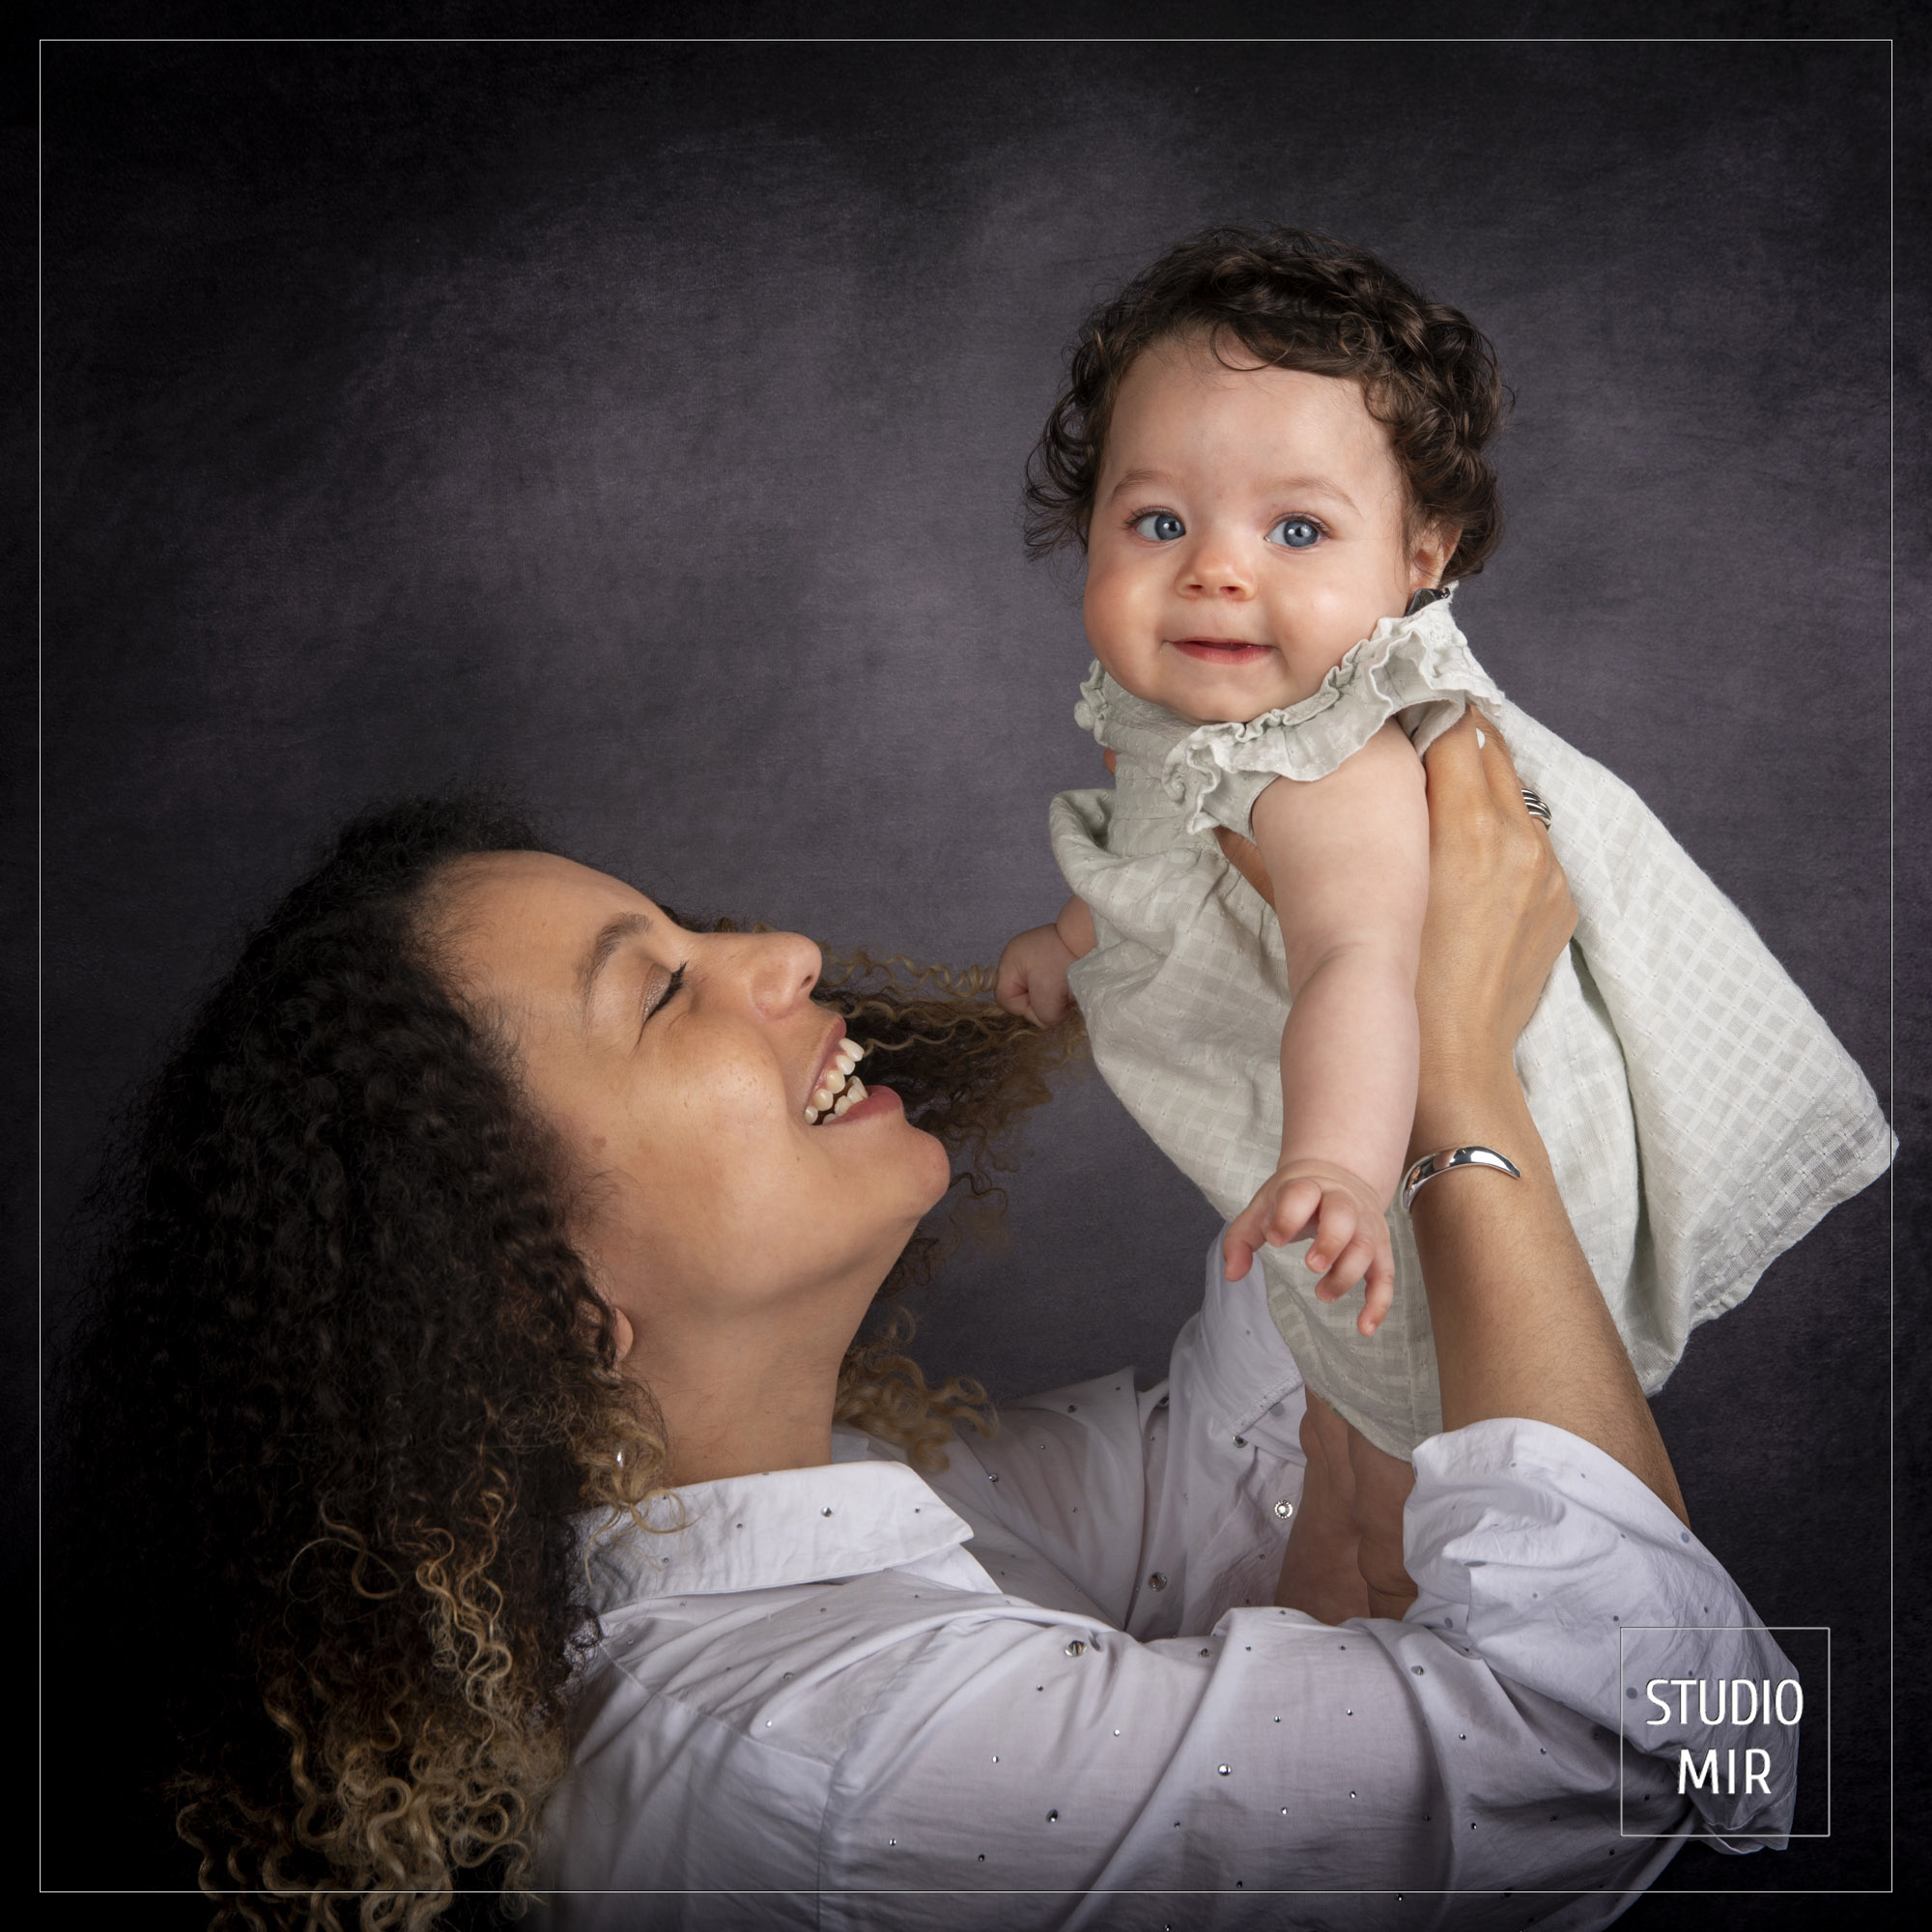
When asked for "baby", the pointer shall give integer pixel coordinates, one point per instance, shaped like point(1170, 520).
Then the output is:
point(1271, 450)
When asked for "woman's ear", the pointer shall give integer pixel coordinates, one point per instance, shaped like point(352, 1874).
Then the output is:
point(621, 1332)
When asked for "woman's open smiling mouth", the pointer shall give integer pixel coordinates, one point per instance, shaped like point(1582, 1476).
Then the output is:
point(840, 1093)
point(1221, 650)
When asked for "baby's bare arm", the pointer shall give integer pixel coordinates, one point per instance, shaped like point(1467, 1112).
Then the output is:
point(1031, 977)
point(1075, 927)
point(1348, 856)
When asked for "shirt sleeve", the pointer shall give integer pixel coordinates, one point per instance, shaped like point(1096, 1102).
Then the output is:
point(1045, 1774)
point(1499, 1737)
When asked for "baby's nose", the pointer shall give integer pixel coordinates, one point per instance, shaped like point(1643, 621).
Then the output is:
point(1229, 585)
point(1220, 572)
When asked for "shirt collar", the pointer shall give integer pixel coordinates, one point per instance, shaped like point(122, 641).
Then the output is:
point(861, 1513)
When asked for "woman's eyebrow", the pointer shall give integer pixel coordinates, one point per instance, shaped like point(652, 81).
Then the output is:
point(610, 937)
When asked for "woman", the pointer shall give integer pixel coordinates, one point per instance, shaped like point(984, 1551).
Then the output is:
point(493, 1283)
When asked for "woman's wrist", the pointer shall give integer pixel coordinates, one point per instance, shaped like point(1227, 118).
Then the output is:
point(1465, 1105)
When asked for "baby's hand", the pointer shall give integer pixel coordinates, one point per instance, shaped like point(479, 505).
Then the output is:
point(1032, 976)
point(1345, 1215)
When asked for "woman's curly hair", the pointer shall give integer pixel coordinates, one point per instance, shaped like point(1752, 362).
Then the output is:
point(343, 1385)
point(1293, 300)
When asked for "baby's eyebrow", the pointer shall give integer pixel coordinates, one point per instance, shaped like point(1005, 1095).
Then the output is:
point(1135, 478)
point(1280, 486)
point(1310, 485)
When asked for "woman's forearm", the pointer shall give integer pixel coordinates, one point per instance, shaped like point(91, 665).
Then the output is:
point(1520, 1326)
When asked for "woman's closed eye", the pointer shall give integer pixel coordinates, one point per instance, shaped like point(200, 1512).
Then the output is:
point(1158, 525)
point(1296, 532)
point(659, 995)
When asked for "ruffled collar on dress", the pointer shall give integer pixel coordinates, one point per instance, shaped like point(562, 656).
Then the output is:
point(1418, 662)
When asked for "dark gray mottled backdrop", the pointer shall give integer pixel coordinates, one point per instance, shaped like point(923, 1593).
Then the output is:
point(642, 427)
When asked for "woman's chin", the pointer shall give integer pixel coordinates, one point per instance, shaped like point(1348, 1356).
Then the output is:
point(932, 1151)
point(879, 1122)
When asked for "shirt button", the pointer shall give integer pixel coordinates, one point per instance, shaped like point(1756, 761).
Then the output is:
point(1180, 856)
point(1284, 1509)
point(1156, 1582)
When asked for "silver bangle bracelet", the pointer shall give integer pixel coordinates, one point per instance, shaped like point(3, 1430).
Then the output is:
point(1432, 1164)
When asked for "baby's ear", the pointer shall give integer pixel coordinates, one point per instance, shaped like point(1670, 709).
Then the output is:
point(1434, 546)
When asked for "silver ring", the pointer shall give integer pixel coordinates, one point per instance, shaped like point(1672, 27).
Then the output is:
point(1534, 806)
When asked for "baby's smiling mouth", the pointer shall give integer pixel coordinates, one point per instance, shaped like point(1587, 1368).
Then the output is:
point(1221, 650)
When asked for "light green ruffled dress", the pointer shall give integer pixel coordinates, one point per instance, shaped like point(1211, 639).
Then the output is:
point(1699, 1115)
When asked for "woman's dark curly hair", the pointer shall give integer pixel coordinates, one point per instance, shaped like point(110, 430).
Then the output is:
point(343, 1383)
point(1293, 300)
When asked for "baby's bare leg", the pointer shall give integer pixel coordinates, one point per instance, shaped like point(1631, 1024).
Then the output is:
point(1381, 1486)
point(1320, 1572)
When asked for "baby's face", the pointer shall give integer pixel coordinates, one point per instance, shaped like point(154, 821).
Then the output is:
point(1247, 529)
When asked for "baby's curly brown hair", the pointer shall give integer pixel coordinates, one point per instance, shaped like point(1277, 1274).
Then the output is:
point(1291, 299)
point(344, 1390)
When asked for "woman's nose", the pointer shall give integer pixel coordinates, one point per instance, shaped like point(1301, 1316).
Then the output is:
point(779, 970)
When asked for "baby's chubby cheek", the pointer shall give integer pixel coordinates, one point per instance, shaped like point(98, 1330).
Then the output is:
point(1313, 638)
point(1120, 627)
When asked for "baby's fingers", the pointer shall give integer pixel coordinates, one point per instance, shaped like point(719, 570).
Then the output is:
point(1047, 1002)
point(1032, 995)
point(1010, 987)
point(1294, 1207)
point(1334, 1236)
point(1242, 1238)
point(1237, 1252)
point(1260, 1221)
point(1380, 1296)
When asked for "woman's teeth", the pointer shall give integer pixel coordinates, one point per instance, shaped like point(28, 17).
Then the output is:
point(840, 1089)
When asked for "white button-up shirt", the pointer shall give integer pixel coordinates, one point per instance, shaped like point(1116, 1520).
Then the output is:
point(1050, 1688)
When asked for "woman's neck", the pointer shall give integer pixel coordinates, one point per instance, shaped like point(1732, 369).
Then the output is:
point(791, 1430)
point(746, 1392)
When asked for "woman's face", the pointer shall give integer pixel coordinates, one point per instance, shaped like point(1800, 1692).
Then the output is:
point(677, 1067)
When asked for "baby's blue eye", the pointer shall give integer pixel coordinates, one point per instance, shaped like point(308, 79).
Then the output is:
point(1159, 527)
point(1295, 533)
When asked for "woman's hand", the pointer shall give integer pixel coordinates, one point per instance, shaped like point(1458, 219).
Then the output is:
point(1499, 918)
point(1320, 1572)
point(1344, 1556)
